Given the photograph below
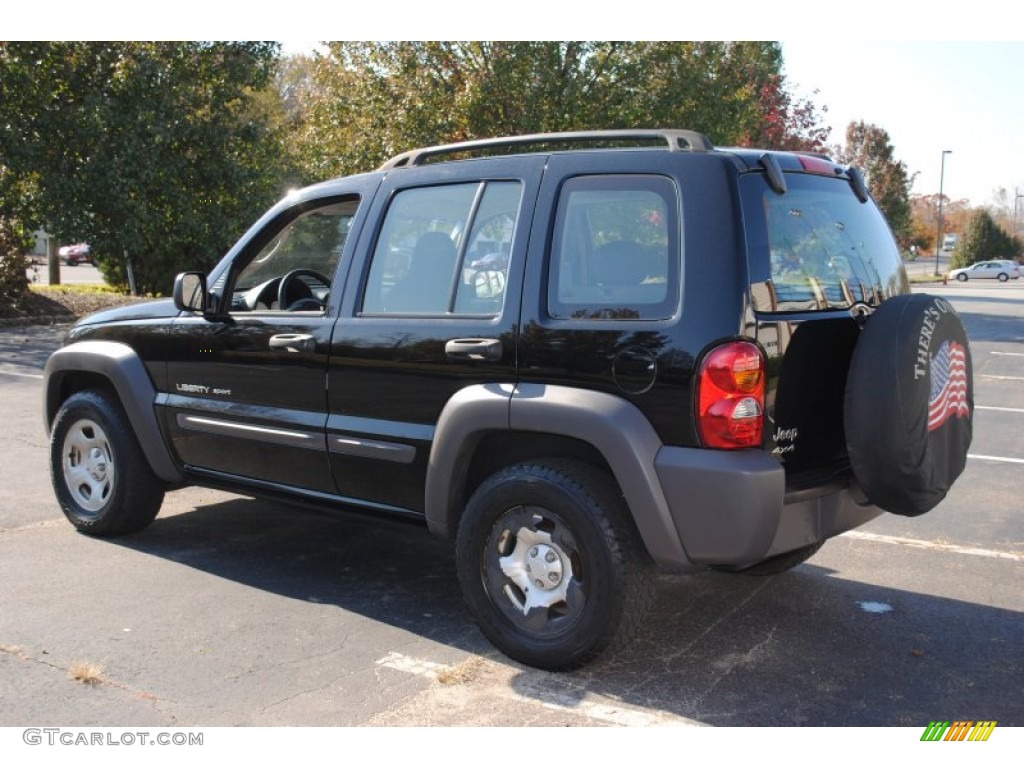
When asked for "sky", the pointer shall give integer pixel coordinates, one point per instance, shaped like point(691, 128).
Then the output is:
point(928, 96)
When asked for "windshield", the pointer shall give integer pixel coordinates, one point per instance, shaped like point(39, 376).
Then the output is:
point(818, 247)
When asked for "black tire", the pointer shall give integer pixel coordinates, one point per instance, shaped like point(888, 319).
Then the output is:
point(775, 565)
point(909, 403)
point(962, 277)
point(102, 481)
point(567, 516)
point(1003, 277)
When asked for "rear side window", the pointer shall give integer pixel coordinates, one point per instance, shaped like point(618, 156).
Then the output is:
point(615, 249)
point(827, 250)
point(444, 250)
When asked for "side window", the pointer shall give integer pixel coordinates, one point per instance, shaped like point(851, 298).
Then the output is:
point(615, 249)
point(294, 269)
point(444, 250)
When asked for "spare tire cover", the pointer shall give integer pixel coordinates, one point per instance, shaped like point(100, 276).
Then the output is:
point(909, 403)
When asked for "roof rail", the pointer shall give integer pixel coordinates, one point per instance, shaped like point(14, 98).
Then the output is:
point(676, 140)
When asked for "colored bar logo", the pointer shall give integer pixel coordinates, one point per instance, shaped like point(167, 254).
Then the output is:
point(961, 730)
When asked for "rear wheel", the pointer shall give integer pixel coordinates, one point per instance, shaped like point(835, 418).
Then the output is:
point(1003, 277)
point(550, 563)
point(103, 483)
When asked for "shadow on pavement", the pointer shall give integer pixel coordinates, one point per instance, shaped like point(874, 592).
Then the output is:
point(797, 649)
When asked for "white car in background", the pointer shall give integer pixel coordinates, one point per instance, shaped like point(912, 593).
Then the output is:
point(1000, 269)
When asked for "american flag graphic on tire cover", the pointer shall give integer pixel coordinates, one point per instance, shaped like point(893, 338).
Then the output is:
point(948, 398)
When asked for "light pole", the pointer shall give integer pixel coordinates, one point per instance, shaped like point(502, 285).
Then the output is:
point(1016, 196)
point(938, 231)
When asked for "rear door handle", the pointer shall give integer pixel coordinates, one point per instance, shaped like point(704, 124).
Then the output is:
point(293, 342)
point(474, 349)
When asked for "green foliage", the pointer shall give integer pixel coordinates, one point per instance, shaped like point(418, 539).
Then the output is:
point(982, 240)
point(13, 282)
point(163, 151)
point(869, 149)
point(368, 101)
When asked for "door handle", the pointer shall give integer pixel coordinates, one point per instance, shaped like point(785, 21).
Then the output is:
point(474, 349)
point(293, 342)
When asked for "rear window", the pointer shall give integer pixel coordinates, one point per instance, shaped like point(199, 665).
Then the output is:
point(820, 246)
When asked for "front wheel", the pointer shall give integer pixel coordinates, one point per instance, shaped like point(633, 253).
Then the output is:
point(550, 563)
point(962, 277)
point(103, 483)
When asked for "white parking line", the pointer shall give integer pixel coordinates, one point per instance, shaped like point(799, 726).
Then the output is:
point(935, 545)
point(592, 705)
point(997, 408)
point(413, 666)
point(994, 458)
point(1008, 354)
point(24, 375)
point(1001, 378)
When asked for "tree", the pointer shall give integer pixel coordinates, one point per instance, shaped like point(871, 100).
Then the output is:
point(868, 148)
point(161, 151)
point(924, 212)
point(369, 101)
point(983, 239)
point(13, 282)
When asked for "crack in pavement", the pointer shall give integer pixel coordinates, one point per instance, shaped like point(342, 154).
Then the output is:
point(52, 523)
point(288, 662)
point(154, 700)
point(683, 651)
point(730, 663)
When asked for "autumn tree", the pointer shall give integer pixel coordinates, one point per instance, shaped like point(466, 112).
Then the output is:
point(868, 148)
point(162, 151)
point(924, 212)
point(369, 101)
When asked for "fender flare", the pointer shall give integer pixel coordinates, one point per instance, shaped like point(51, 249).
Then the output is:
point(612, 425)
point(121, 366)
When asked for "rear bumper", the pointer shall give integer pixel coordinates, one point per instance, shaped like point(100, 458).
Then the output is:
point(731, 508)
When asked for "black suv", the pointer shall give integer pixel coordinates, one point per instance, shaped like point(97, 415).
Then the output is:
point(582, 356)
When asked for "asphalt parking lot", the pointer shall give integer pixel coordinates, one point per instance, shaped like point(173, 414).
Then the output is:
point(80, 274)
point(232, 611)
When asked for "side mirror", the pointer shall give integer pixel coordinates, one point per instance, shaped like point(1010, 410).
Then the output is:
point(190, 292)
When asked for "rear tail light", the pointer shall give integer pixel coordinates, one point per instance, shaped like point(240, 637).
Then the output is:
point(730, 396)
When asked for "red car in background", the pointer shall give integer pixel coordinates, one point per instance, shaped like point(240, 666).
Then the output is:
point(72, 255)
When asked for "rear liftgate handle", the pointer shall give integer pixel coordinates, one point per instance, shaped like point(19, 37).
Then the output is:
point(474, 349)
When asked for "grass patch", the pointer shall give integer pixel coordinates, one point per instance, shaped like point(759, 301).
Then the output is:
point(929, 278)
point(460, 674)
point(86, 672)
point(73, 288)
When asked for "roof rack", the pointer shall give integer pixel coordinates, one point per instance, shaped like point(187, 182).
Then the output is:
point(676, 140)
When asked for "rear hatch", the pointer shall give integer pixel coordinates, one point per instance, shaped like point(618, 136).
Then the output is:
point(820, 260)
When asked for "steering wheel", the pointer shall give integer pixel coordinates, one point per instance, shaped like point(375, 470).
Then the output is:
point(290, 281)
